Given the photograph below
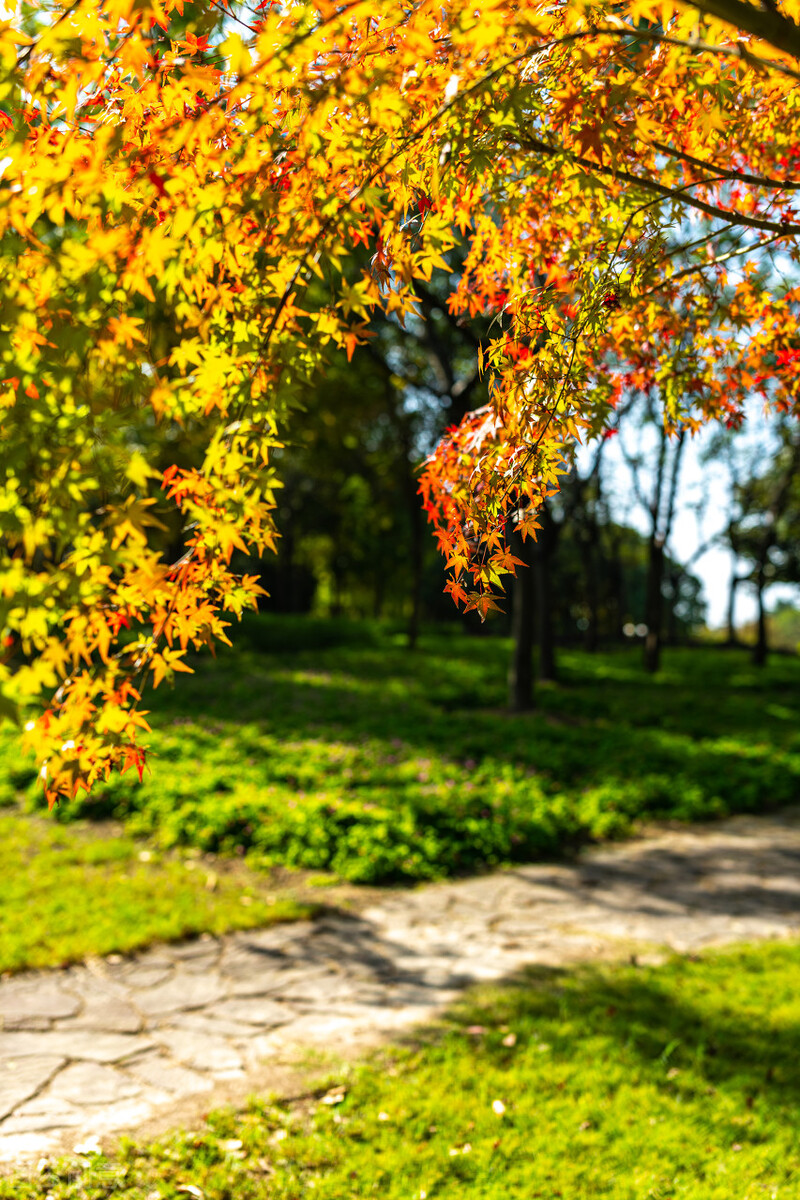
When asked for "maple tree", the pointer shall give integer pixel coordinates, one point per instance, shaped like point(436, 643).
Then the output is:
point(190, 223)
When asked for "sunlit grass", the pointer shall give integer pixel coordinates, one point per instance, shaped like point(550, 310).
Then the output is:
point(69, 893)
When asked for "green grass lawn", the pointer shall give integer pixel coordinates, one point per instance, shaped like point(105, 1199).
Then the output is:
point(69, 893)
point(626, 1083)
point(327, 746)
point(356, 756)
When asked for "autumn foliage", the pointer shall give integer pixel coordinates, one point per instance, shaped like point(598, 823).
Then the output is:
point(190, 225)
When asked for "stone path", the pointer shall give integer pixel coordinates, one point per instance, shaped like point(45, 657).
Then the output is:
point(117, 1044)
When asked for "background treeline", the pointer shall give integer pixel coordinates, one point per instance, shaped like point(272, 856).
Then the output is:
point(355, 543)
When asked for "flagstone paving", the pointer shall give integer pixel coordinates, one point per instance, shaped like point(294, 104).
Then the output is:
point(117, 1044)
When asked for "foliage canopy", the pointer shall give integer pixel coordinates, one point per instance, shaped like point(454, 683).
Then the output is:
point(191, 221)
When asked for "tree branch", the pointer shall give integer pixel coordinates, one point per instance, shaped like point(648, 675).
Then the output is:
point(679, 194)
point(767, 25)
point(699, 267)
point(724, 173)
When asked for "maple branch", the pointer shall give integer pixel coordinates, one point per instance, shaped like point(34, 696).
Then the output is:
point(701, 241)
point(63, 16)
point(574, 338)
point(673, 486)
point(698, 267)
point(782, 228)
point(232, 16)
point(741, 176)
point(696, 45)
point(765, 24)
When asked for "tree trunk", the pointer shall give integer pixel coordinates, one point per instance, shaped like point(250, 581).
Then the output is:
point(760, 649)
point(730, 619)
point(287, 546)
point(377, 595)
point(416, 576)
point(336, 606)
point(672, 617)
point(520, 672)
point(616, 590)
point(545, 640)
point(590, 638)
point(654, 606)
point(416, 532)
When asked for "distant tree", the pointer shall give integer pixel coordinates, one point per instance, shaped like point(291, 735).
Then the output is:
point(533, 593)
point(765, 530)
point(655, 475)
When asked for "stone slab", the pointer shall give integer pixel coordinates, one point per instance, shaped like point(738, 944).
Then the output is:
point(180, 993)
point(107, 1015)
point(43, 999)
point(81, 1044)
point(260, 1012)
point(42, 1114)
point(145, 976)
point(262, 983)
point(26, 1147)
point(19, 1080)
point(123, 1114)
point(200, 948)
point(204, 1053)
point(206, 1021)
point(158, 1071)
point(92, 1083)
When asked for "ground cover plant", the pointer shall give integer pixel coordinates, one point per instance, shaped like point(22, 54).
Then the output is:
point(69, 893)
point(327, 746)
point(624, 1082)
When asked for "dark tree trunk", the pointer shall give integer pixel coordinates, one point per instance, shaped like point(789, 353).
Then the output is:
point(520, 672)
point(336, 607)
point(761, 649)
point(416, 568)
point(662, 527)
point(591, 637)
point(416, 534)
point(654, 606)
point(377, 596)
point(543, 554)
point(543, 606)
point(287, 546)
point(616, 589)
point(672, 617)
point(730, 619)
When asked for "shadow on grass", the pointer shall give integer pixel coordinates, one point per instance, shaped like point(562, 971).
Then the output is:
point(714, 1022)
